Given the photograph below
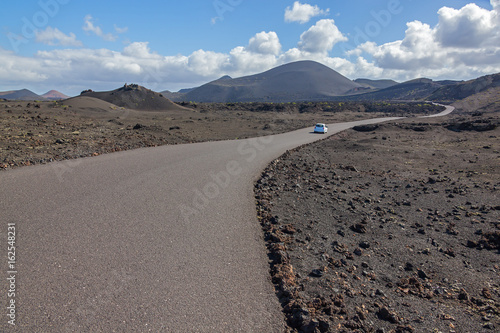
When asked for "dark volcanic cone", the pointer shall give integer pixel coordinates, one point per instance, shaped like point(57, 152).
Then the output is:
point(135, 97)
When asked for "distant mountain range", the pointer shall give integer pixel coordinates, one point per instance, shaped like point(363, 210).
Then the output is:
point(311, 81)
point(447, 91)
point(28, 95)
point(418, 89)
point(293, 82)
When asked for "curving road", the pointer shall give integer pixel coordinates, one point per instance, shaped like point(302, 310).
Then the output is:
point(157, 239)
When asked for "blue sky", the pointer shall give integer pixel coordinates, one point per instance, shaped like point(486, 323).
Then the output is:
point(72, 45)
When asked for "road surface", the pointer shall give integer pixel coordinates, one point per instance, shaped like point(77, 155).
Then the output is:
point(156, 239)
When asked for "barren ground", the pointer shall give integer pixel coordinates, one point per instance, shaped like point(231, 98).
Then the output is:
point(40, 132)
point(390, 228)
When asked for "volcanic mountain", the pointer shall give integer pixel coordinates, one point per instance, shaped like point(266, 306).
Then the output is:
point(23, 94)
point(134, 97)
point(54, 95)
point(427, 89)
point(297, 81)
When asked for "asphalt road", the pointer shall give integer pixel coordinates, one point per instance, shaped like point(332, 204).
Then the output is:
point(161, 239)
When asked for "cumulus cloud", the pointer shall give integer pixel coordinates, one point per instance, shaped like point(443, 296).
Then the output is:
point(465, 42)
point(471, 26)
point(53, 36)
point(241, 62)
point(16, 70)
point(260, 54)
point(139, 50)
point(98, 69)
point(417, 50)
point(206, 63)
point(321, 37)
point(89, 26)
point(265, 43)
point(438, 52)
point(104, 68)
point(302, 13)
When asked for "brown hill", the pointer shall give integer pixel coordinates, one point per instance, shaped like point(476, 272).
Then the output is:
point(135, 97)
point(54, 95)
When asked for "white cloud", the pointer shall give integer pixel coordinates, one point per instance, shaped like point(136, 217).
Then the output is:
point(465, 43)
point(16, 70)
point(321, 37)
point(425, 51)
point(417, 50)
point(53, 36)
point(302, 13)
point(139, 50)
point(241, 62)
point(206, 63)
point(89, 26)
point(265, 43)
point(471, 26)
point(130, 69)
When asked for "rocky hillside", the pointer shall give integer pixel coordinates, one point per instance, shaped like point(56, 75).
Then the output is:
point(465, 89)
